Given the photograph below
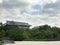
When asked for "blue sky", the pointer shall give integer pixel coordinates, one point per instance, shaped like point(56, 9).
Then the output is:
point(35, 12)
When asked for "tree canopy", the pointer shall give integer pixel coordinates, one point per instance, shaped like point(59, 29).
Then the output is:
point(38, 33)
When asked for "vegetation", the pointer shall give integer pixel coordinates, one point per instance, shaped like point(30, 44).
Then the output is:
point(38, 33)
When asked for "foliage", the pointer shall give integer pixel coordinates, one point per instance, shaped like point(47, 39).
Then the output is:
point(43, 33)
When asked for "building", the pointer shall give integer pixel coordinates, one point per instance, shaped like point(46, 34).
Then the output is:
point(18, 24)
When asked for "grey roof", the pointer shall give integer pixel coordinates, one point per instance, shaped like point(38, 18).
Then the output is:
point(16, 23)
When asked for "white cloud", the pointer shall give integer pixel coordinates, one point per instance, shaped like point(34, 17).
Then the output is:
point(0, 1)
point(47, 12)
point(13, 4)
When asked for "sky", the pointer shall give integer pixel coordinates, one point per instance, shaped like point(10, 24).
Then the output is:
point(34, 12)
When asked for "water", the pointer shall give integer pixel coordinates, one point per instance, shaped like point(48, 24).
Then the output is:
point(35, 43)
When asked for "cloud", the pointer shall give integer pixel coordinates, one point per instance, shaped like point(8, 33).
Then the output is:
point(34, 9)
point(44, 14)
point(13, 4)
point(55, 8)
point(47, 7)
point(55, 5)
point(35, 13)
point(10, 9)
point(36, 6)
point(37, 20)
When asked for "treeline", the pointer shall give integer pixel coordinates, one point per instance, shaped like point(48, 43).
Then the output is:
point(38, 33)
